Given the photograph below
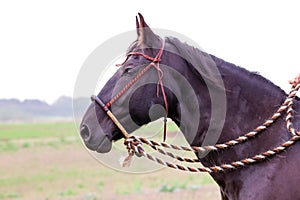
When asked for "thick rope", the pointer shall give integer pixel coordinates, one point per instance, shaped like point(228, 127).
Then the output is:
point(287, 104)
point(215, 169)
point(134, 144)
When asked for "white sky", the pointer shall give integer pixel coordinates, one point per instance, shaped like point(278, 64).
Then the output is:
point(44, 43)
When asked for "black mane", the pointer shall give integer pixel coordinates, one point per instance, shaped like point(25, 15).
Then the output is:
point(201, 61)
point(255, 76)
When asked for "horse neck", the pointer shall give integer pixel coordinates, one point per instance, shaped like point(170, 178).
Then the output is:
point(251, 99)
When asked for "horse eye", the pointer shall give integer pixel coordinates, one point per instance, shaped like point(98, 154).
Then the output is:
point(128, 69)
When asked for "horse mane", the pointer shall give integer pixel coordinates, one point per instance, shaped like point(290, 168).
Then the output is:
point(254, 76)
point(207, 65)
point(201, 62)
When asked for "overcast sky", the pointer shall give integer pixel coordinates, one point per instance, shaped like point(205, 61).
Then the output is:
point(43, 44)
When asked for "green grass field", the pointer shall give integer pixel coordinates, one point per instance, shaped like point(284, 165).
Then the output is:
point(49, 161)
point(41, 130)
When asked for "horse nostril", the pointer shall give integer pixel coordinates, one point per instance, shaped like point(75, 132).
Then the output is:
point(85, 132)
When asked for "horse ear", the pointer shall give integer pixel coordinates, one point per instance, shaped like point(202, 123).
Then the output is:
point(144, 32)
point(137, 25)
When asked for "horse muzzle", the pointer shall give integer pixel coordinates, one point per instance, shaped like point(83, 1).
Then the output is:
point(92, 134)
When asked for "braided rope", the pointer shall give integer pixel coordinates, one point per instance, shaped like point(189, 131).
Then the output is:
point(129, 85)
point(287, 104)
point(134, 144)
point(154, 63)
point(215, 169)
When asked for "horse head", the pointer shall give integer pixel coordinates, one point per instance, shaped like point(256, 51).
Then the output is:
point(159, 78)
point(132, 107)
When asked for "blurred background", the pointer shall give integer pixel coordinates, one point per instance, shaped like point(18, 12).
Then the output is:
point(42, 48)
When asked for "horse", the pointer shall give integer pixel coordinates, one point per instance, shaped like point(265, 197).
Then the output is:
point(215, 99)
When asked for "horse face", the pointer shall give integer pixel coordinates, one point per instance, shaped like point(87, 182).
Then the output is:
point(131, 109)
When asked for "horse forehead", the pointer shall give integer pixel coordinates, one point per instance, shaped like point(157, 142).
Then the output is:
point(110, 85)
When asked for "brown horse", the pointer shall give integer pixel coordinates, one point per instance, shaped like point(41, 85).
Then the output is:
point(224, 103)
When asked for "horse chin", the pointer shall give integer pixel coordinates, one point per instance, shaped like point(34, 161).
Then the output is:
point(105, 146)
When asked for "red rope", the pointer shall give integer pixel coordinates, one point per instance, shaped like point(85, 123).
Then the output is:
point(155, 63)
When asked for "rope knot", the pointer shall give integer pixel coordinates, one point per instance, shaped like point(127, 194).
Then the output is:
point(134, 147)
point(156, 60)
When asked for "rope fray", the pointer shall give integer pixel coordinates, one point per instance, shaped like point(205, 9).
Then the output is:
point(126, 162)
point(134, 144)
point(130, 143)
